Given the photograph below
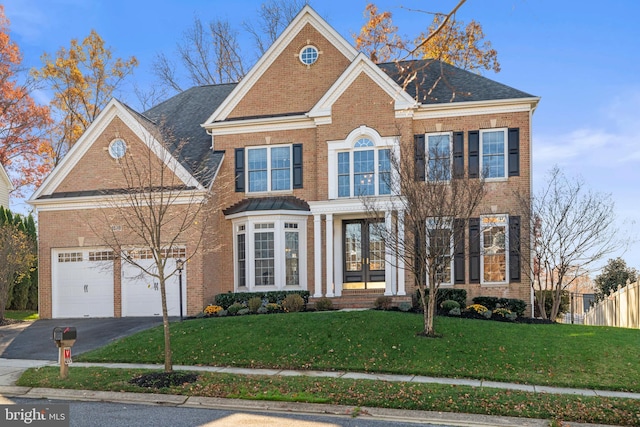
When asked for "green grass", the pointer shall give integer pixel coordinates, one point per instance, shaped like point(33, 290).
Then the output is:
point(377, 341)
point(26, 315)
point(358, 393)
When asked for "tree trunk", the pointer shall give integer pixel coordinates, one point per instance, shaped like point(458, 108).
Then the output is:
point(168, 364)
point(542, 299)
point(433, 293)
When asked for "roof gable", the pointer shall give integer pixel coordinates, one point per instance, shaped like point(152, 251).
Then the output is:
point(140, 126)
point(307, 18)
point(4, 178)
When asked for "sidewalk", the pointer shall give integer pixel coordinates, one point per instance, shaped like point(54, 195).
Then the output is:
point(11, 369)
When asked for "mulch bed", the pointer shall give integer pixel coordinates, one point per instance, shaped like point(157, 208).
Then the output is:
point(163, 379)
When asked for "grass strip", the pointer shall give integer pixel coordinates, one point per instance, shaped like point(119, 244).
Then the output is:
point(402, 395)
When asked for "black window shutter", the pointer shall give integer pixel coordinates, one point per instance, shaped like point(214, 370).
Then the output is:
point(514, 152)
point(419, 154)
point(474, 154)
point(239, 170)
point(514, 249)
point(458, 251)
point(297, 165)
point(458, 154)
point(474, 250)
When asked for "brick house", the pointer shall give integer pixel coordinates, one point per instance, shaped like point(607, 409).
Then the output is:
point(290, 147)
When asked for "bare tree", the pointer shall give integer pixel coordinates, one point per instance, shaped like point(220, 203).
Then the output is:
point(434, 201)
point(17, 257)
point(572, 229)
point(273, 17)
point(151, 208)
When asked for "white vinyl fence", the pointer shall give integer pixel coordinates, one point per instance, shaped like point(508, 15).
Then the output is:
point(621, 308)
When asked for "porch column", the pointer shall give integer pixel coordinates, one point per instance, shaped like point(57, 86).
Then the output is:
point(400, 253)
point(389, 276)
point(317, 254)
point(329, 251)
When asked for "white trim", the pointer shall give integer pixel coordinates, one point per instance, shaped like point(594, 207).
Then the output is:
point(307, 16)
point(474, 108)
point(265, 124)
point(91, 135)
point(427, 157)
point(448, 224)
point(269, 169)
point(4, 176)
point(361, 64)
point(505, 154)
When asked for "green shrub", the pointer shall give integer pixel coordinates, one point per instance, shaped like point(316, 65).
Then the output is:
point(324, 304)
point(383, 303)
point(449, 305)
point(276, 297)
point(243, 311)
point(455, 312)
point(444, 294)
point(254, 304)
point(293, 303)
point(262, 310)
point(478, 308)
point(517, 306)
point(504, 312)
point(235, 308)
point(405, 306)
point(548, 302)
point(272, 307)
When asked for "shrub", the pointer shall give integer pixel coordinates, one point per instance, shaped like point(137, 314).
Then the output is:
point(272, 307)
point(324, 304)
point(478, 308)
point(502, 311)
point(262, 310)
point(243, 311)
point(235, 308)
point(444, 294)
point(254, 304)
point(449, 305)
point(405, 306)
point(383, 303)
point(223, 313)
point(517, 306)
point(293, 303)
point(212, 310)
point(487, 314)
point(455, 311)
point(226, 300)
point(548, 302)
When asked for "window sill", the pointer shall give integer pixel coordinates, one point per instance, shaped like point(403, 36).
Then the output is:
point(269, 193)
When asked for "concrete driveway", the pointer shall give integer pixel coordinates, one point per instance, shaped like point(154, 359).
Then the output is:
point(34, 340)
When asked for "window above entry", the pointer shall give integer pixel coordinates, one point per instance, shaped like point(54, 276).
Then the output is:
point(264, 169)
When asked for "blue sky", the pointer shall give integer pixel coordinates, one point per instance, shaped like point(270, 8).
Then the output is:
point(580, 57)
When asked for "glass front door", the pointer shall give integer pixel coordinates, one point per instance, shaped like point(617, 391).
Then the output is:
point(364, 254)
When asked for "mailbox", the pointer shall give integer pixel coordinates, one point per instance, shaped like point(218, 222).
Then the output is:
point(64, 336)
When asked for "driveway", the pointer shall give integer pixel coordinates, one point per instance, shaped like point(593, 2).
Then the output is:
point(34, 340)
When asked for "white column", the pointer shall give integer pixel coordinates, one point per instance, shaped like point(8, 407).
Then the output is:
point(400, 252)
point(329, 253)
point(317, 254)
point(389, 280)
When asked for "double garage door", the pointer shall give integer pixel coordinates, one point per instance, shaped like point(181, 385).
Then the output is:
point(83, 285)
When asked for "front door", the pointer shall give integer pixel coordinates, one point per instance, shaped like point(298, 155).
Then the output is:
point(364, 254)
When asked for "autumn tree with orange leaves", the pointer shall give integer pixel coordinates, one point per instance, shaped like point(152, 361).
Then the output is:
point(446, 39)
point(83, 79)
point(24, 152)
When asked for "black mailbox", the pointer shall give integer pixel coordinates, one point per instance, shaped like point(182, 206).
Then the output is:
point(65, 334)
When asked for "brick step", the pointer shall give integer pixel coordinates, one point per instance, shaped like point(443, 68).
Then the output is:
point(361, 300)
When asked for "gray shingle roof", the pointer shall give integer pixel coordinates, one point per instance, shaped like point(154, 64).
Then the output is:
point(179, 119)
point(435, 82)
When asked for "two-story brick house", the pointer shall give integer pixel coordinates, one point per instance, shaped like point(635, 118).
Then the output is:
point(293, 147)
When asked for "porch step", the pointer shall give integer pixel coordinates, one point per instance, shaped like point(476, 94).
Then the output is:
point(361, 299)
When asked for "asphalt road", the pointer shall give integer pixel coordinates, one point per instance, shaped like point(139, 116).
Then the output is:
point(35, 340)
point(101, 414)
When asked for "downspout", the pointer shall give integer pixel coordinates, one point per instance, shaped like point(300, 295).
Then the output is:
point(531, 264)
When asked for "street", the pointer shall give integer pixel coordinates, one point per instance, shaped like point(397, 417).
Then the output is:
point(101, 414)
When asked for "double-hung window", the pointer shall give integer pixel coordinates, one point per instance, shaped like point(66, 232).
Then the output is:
point(269, 252)
point(494, 240)
point(440, 250)
point(269, 168)
point(438, 157)
point(360, 166)
point(493, 153)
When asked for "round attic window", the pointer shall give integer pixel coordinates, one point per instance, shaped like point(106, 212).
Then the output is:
point(309, 55)
point(117, 148)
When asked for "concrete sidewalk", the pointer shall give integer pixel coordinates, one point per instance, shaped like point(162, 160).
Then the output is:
point(11, 369)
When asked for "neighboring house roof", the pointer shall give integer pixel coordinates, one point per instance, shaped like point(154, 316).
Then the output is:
point(286, 203)
point(436, 82)
point(179, 118)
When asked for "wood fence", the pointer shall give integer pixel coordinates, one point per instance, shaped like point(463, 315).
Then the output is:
point(620, 308)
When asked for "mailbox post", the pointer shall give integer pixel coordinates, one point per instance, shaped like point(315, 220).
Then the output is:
point(64, 337)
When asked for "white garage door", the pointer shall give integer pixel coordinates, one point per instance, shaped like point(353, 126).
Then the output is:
point(82, 283)
point(141, 292)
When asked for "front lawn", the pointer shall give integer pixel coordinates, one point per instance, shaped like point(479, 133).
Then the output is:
point(382, 341)
point(25, 315)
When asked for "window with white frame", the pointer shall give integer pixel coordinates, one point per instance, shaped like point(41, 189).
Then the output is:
point(440, 249)
point(493, 153)
point(438, 154)
point(269, 252)
point(360, 165)
point(269, 168)
point(494, 251)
